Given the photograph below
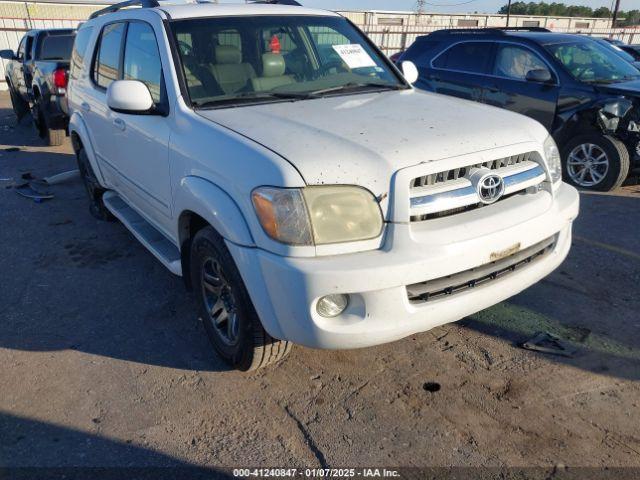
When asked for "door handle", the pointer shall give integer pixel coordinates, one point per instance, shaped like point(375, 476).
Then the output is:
point(493, 89)
point(119, 123)
point(85, 106)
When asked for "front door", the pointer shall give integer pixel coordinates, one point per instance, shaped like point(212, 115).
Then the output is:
point(139, 150)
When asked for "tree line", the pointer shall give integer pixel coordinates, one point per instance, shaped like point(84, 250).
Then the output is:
point(553, 9)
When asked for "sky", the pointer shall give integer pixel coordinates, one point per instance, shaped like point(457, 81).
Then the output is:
point(448, 6)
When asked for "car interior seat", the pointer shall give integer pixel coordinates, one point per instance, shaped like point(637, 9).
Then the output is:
point(229, 71)
point(273, 68)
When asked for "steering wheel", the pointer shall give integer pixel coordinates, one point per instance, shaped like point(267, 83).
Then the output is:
point(185, 48)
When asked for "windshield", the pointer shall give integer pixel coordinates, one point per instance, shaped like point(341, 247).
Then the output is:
point(591, 62)
point(232, 60)
point(56, 47)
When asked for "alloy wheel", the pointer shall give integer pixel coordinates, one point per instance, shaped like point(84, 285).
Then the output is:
point(219, 302)
point(587, 165)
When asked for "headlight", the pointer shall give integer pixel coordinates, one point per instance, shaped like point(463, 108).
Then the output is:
point(318, 215)
point(552, 156)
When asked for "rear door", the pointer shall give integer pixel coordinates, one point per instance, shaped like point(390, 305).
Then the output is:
point(508, 87)
point(461, 70)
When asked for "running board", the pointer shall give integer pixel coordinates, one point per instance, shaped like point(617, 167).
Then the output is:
point(147, 234)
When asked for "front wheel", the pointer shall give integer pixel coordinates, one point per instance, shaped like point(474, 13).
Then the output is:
point(20, 107)
point(595, 162)
point(229, 318)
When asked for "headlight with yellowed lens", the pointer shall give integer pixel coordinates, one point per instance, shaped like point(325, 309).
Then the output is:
point(318, 215)
point(342, 214)
point(552, 156)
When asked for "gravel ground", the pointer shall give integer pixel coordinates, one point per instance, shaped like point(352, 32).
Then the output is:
point(104, 363)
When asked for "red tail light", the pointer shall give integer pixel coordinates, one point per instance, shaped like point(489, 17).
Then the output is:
point(60, 78)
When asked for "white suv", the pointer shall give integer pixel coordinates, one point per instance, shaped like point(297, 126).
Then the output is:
point(273, 157)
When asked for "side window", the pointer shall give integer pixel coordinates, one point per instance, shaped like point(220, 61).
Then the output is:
point(28, 51)
point(79, 51)
point(20, 53)
point(515, 62)
point(107, 62)
point(472, 57)
point(230, 38)
point(142, 59)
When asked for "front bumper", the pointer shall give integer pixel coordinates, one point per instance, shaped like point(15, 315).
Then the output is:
point(285, 290)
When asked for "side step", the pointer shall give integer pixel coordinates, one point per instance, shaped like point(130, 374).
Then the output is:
point(147, 234)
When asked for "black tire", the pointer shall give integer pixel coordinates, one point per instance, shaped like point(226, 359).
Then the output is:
point(19, 106)
point(250, 347)
point(605, 177)
point(94, 190)
point(54, 137)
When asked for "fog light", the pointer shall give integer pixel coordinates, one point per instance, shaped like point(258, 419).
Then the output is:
point(332, 305)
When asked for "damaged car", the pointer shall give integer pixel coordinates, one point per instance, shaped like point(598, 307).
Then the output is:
point(586, 96)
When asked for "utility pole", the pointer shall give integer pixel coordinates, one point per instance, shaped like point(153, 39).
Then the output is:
point(615, 14)
point(420, 7)
point(509, 12)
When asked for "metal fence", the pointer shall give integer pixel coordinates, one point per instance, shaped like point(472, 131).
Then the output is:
point(12, 30)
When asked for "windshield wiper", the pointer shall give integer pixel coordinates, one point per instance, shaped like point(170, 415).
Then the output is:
point(355, 86)
point(250, 96)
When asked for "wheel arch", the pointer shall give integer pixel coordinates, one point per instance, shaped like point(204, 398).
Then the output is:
point(80, 140)
point(202, 203)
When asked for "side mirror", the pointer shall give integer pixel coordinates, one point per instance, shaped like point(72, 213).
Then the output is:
point(539, 75)
point(129, 96)
point(410, 72)
point(7, 54)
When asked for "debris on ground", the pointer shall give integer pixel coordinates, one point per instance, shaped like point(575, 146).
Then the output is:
point(27, 190)
point(546, 342)
point(60, 177)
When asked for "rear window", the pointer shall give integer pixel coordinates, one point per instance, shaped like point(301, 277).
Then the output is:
point(422, 51)
point(56, 47)
point(472, 57)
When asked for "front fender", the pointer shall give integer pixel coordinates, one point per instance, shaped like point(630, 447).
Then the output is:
point(78, 127)
point(209, 201)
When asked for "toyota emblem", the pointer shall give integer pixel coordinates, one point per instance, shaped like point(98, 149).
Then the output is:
point(490, 188)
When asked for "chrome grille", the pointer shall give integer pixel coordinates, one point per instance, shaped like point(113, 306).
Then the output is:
point(453, 191)
point(456, 173)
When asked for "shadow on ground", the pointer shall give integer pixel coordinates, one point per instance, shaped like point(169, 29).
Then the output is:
point(591, 300)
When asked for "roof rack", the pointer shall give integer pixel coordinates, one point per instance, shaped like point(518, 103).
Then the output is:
point(121, 5)
point(279, 2)
point(494, 30)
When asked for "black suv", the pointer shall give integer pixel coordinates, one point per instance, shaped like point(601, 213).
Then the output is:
point(587, 97)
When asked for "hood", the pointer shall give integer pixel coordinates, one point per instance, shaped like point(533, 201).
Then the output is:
point(631, 88)
point(364, 139)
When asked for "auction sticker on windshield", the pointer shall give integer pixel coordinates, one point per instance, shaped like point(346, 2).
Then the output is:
point(354, 56)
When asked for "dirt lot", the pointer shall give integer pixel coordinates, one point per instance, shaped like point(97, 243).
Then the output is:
point(104, 364)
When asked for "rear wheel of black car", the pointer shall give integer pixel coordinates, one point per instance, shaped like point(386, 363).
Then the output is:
point(94, 190)
point(595, 162)
point(53, 136)
point(229, 317)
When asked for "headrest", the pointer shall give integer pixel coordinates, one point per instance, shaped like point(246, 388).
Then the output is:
point(228, 55)
point(273, 65)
